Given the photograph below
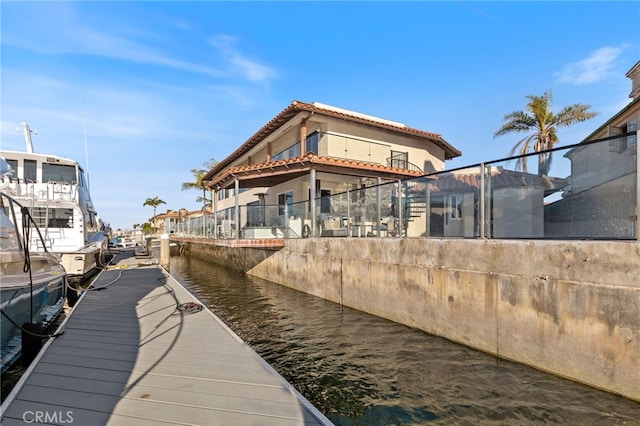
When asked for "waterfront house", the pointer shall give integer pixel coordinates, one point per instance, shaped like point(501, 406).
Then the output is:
point(308, 152)
point(165, 222)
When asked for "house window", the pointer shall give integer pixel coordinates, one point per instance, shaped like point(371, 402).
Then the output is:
point(284, 199)
point(632, 127)
point(313, 140)
point(455, 207)
point(325, 201)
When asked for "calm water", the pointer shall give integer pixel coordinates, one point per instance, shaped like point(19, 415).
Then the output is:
point(362, 370)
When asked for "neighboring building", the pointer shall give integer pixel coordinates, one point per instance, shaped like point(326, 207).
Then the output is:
point(194, 222)
point(165, 222)
point(312, 150)
point(602, 198)
point(513, 210)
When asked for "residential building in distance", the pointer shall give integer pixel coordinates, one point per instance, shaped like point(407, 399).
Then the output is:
point(602, 197)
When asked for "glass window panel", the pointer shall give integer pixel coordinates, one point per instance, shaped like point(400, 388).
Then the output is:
point(58, 173)
point(30, 170)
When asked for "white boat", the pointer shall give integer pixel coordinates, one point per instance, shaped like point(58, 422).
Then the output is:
point(55, 191)
point(33, 285)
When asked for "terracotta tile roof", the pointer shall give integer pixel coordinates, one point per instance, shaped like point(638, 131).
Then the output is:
point(292, 167)
point(297, 107)
point(461, 182)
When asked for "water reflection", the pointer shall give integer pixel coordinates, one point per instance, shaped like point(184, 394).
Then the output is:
point(363, 370)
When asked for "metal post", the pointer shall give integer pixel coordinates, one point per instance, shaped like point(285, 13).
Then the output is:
point(348, 214)
point(481, 208)
point(637, 230)
point(399, 210)
point(312, 201)
point(427, 207)
point(285, 232)
point(378, 209)
point(214, 200)
point(487, 203)
point(237, 215)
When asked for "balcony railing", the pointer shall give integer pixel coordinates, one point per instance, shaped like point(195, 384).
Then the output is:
point(582, 191)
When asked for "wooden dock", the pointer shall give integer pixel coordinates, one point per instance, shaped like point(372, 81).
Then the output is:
point(133, 353)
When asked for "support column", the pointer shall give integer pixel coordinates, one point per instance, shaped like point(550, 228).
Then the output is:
point(399, 209)
point(427, 207)
point(378, 208)
point(312, 201)
point(481, 207)
point(214, 200)
point(165, 251)
point(237, 215)
point(303, 137)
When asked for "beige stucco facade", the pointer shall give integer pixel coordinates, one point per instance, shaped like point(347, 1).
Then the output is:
point(338, 136)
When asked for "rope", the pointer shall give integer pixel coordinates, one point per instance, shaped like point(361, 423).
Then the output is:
point(190, 308)
point(27, 256)
point(102, 287)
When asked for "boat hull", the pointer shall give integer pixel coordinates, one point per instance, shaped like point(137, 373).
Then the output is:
point(23, 303)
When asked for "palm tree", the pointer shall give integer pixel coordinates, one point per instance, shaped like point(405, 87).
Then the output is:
point(201, 184)
point(153, 202)
point(542, 124)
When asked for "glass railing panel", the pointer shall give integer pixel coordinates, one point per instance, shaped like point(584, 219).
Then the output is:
point(226, 223)
point(416, 213)
point(451, 203)
point(365, 213)
point(333, 214)
point(299, 220)
point(585, 191)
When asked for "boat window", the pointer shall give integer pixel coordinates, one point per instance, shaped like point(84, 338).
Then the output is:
point(58, 173)
point(83, 184)
point(53, 217)
point(14, 167)
point(30, 170)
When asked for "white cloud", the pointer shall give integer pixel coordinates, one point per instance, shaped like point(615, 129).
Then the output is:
point(250, 69)
point(598, 66)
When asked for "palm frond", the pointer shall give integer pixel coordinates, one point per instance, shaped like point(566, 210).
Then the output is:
point(542, 124)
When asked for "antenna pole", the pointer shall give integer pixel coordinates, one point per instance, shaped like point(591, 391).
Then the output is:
point(86, 148)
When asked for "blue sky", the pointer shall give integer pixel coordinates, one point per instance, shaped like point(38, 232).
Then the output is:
point(166, 86)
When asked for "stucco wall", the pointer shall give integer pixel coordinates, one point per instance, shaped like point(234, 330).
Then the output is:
point(569, 308)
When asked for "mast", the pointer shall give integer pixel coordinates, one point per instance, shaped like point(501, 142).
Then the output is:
point(27, 137)
point(86, 149)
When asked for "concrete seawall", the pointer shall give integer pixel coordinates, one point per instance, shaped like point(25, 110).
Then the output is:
point(571, 308)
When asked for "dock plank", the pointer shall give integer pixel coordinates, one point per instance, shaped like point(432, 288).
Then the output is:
point(129, 355)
